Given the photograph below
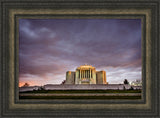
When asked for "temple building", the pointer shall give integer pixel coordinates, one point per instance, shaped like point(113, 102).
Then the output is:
point(86, 74)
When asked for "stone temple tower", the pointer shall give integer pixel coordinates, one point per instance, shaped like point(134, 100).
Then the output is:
point(86, 74)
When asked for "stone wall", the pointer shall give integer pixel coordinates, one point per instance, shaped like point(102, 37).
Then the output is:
point(90, 87)
point(81, 87)
point(29, 88)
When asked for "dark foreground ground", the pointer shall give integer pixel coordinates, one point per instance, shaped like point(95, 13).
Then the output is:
point(81, 94)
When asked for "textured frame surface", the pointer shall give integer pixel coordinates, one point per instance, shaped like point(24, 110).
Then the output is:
point(10, 106)
point(80, 14)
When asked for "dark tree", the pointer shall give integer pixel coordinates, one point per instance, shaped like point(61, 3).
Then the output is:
point(131, 88)
point(26, 85)
point(126, 81)
point(63, 82)
point(41, 88)
point(124, 88)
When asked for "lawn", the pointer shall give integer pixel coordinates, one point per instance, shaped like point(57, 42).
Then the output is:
point(81, 94)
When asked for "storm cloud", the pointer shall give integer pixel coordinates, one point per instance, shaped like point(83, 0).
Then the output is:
point(50, 47)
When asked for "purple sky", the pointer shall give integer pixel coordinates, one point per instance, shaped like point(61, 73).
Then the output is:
point(50, 47)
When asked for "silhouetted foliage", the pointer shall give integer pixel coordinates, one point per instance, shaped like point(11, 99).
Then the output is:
point(124, 88)
point(26, 85)
point(131, 88)
point(126, 81)
point(41, 88)
point(63, 82)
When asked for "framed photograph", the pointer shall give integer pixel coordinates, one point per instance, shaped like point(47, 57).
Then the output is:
point(79, 58)
point(62, 44)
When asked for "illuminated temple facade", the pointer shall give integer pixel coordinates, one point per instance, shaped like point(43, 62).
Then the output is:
point(86, 74)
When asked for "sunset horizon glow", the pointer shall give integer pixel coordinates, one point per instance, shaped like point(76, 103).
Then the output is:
point(48, 48)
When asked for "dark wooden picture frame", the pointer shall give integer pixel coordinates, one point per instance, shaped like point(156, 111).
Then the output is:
point(12, 10)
